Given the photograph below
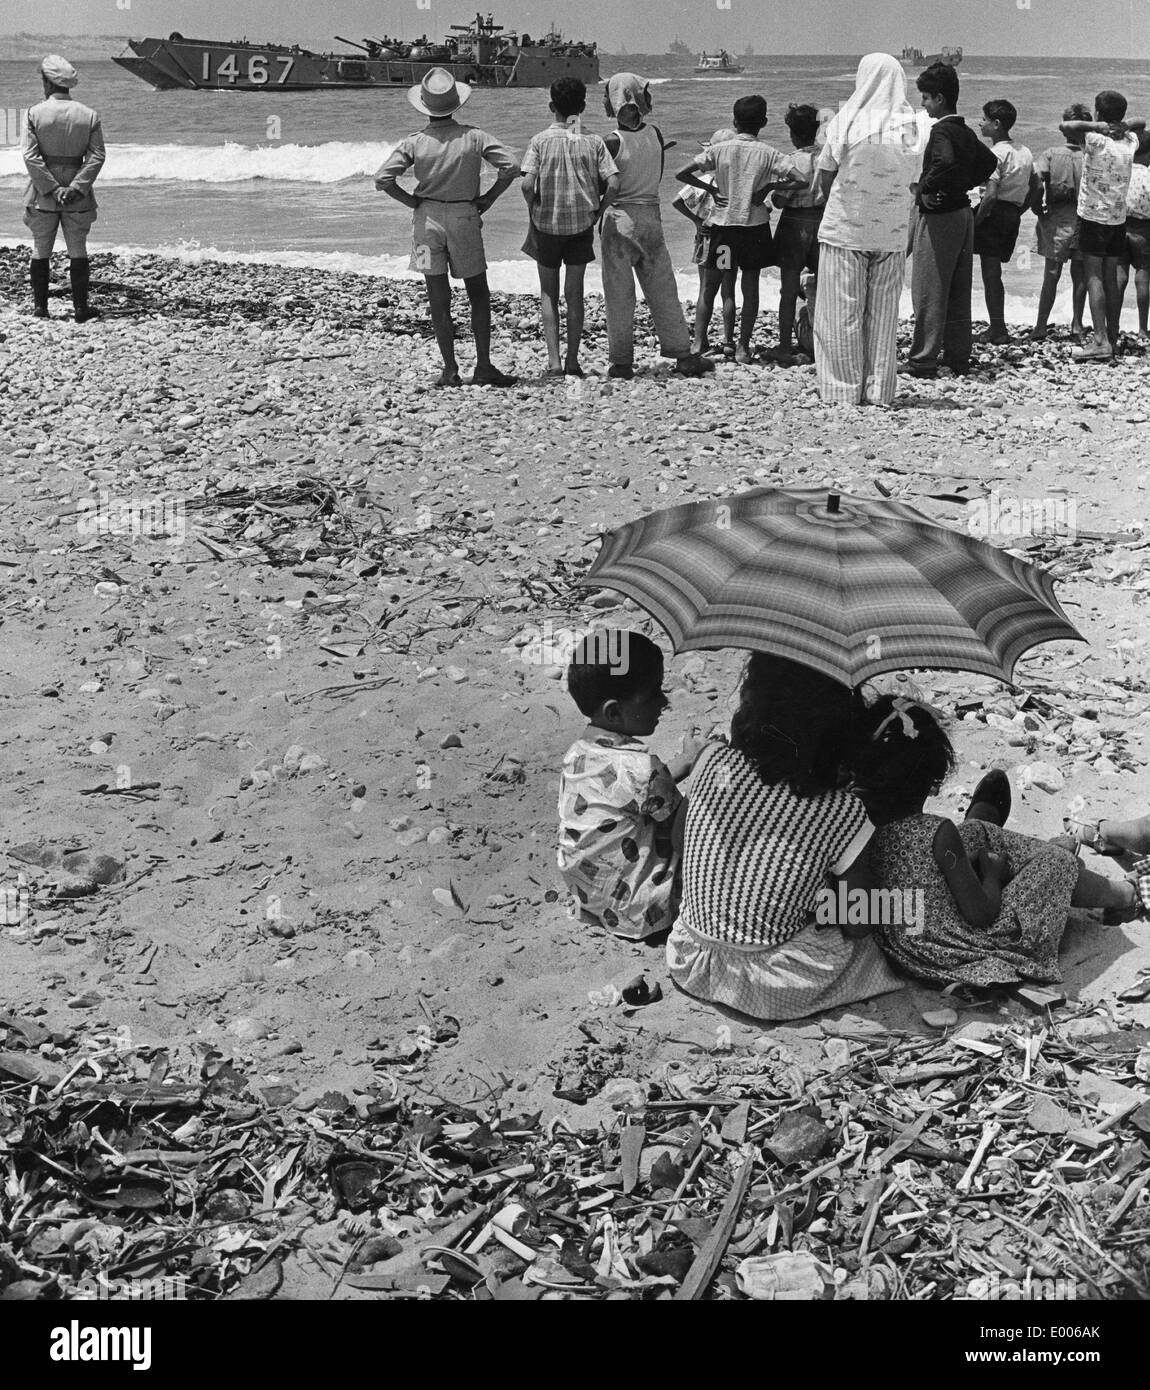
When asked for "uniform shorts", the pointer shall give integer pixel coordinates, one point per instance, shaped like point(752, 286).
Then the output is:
point(1138, 242)
point(997, 234)
point(45, 225)
point(1098, 239)
point(447, 238)
point(553, 251)
point(738, 248)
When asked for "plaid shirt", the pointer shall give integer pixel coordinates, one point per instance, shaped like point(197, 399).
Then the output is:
point(568, 166)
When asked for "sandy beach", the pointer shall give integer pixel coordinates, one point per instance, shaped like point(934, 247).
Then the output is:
point(323, 706)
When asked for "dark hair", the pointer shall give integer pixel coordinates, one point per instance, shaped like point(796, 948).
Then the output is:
point(795, 724)
point(596, 674)
point(939, 80)
point(1004, 112)
point(750, 113)
point(893, 770)
point(1078, 112)
point(569, 96)
point(802, 122)
point(1111, 106)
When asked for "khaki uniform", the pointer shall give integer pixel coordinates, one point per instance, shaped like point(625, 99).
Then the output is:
point(63, 146)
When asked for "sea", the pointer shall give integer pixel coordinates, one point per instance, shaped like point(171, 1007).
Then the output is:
point(287, 177)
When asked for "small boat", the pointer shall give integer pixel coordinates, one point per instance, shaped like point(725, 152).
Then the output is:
point(479, 53)
point(719, 64)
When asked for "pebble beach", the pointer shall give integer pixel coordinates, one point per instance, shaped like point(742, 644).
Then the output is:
point(280, 635)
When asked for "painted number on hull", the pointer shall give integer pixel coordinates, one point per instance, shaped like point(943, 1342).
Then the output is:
point(257, 75)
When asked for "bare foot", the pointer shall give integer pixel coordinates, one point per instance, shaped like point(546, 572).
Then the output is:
point(492, 376)
point(449, 377)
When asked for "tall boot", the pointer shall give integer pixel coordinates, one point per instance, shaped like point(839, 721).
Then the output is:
point(38, 274)
point(80, 268)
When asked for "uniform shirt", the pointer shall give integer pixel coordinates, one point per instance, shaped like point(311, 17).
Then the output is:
point(616, 801)
point(1138, 195)
point(741, 166)
point(1106, 178)
point(1011, 177)
point(569, 166)
point(447, 158)
point(63, 144)
point(756, 855)
point(869, 205)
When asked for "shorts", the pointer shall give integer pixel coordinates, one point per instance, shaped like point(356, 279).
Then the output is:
point(447, 237)
point(997, 234)
point(796, 243)
point(1138, 242)
point(553, 251)
point(1057, 236)
point(45, 225)
point(738, 248)
point(1097, 239)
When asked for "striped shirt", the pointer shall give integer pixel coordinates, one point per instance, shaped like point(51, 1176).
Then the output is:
point(568, 166)
point(756, 855)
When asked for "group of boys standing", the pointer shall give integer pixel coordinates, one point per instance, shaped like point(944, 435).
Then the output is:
point(574, 181)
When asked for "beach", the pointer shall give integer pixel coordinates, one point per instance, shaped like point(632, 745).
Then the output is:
point(313, 610)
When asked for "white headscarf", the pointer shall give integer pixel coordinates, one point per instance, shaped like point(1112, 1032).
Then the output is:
point(628, 98)
point(59, 71)
point(877, 110)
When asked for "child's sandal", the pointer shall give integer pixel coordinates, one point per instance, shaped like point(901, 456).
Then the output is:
point(1139, 909)
point(1088, 833)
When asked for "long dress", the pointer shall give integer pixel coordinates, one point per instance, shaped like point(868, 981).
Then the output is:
point(1020, 944)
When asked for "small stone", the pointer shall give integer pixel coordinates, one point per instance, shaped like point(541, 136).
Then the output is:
point(799, 1138)
point(940, 1018)
point(438, 835)
point(451, 741)
point(88, 1000)
point(359, 960)
point(411, 837)
point(456, 674)
point(624, 1093)
point(248, 1029)
point(98, 747)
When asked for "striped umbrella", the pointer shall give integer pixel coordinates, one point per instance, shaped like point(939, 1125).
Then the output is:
point(847, 585)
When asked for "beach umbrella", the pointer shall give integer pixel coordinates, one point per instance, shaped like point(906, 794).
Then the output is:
point(850, 586)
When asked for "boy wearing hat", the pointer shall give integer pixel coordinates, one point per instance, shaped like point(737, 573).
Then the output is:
point(63, 151)
point(447, 236)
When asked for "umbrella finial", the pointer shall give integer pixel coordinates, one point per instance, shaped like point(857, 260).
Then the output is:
point(832, 503)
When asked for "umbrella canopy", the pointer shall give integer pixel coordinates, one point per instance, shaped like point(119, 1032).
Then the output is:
point(847, 585)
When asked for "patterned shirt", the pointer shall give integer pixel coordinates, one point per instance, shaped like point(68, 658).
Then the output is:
point(755, 855)
point(741, 166)
point(616, 803)
point(1012, 176)
point(699, 201)
point(569, 166)
point(1061, 167)
point(447, 159)
point(869, 205)
point(1106, 178)
point(1138, 197)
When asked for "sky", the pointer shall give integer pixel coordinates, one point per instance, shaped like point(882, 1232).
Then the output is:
point(1048, 28)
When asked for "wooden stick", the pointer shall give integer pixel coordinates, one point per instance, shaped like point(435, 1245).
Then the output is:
point(699, 1276)
point(989, 1134)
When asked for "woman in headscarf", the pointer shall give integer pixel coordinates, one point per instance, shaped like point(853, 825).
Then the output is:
point(63, 150)
point(632, 242)
point(865, 170)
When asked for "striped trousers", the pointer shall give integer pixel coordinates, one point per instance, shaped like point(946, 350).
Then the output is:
point(856, 325)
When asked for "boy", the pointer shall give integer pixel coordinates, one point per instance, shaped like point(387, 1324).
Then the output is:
point(631, 238)
point(953, 163)
point(1058, 177)
point(797, 233)
point(745, 171)
point(997, 219)
point(447, 226)
point(620, 812)
point(1111, 142)
point(562, 172)
point(1138, 236)
point(699, 206)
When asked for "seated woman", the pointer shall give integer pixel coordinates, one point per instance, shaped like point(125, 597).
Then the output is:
point(768, 828)
point(995, 903)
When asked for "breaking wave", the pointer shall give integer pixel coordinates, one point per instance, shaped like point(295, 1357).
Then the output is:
point(335, 162)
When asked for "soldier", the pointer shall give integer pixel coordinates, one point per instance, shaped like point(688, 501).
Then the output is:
point(63, 150)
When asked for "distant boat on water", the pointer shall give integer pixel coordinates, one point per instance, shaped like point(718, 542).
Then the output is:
point(914, 57)
point(678, 49)
point(719, 64)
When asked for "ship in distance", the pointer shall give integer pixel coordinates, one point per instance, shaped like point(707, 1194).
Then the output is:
point(481, 54)
point(914, 57)
point(717, 64)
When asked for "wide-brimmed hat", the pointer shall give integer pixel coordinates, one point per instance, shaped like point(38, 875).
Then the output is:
point(59, 71)
point(438, 94)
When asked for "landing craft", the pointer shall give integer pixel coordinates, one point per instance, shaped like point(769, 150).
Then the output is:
point(479, 53)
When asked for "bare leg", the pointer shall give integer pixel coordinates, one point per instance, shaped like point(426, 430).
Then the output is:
point(1078, 297)
point(788, 298)
point(486, 373)
point(729, 310)
point(549, 310)
point(705, 307)
point(1142, 288)
point(1093, 890)
point(439, 302)
point(1046, 298)
point(573, 292)
point(995, 295)
point(1113, 298)
point(1130, 836)
point(700, 311)
point(1096, 293)
point(750, 311)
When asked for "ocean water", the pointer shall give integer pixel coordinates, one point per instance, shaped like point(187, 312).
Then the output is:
point(288, 176)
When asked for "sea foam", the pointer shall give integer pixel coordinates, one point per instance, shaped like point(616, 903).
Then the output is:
point(333, 162)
